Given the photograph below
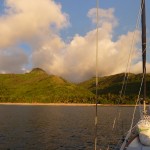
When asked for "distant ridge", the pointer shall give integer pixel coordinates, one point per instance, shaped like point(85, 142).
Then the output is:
point(38, 71)
point(109, 88)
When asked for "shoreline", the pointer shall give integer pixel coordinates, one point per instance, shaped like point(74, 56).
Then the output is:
point(66, 104)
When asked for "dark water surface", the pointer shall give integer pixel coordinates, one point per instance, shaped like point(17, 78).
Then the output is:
point(60, 127)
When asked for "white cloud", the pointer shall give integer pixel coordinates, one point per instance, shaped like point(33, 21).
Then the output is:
point(26, 19)
point(38, 23)
point(49, 55)
point(137, 68)
point(80, 56)
point(105, 16)
point(32, 22)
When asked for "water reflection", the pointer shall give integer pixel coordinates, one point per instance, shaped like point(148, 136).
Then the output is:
point(60, 127)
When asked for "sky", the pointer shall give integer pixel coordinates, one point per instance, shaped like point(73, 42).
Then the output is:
point(59, 36)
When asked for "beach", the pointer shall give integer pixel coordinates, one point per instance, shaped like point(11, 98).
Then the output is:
point(66, 104)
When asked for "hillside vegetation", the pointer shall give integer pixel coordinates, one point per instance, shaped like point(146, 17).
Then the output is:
point(109, 88)
point(38, 86)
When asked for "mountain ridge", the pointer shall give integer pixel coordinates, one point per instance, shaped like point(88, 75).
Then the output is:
point(40, 87)
point(37, 86)
point(109, 88)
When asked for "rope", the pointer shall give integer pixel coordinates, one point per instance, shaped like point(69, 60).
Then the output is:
point(97, 31)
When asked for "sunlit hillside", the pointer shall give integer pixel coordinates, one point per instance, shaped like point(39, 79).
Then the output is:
point(38, 86)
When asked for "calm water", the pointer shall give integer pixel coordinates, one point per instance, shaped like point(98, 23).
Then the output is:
point(60, 127)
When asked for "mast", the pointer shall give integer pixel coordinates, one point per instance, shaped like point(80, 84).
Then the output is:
point(143, 23)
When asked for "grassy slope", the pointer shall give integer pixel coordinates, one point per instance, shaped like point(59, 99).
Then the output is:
point(38, 86)
point(110, 86)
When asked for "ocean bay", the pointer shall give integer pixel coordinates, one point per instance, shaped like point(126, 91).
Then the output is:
point(60, 127)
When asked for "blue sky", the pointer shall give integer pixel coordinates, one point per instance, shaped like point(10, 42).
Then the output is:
point(61, 40)
point(125, 11)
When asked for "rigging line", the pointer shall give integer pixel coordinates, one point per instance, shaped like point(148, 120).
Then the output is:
point(137, 25)
point(143, 81)
point(133, 115)
point(131, 51)
point(114, 122)
point(97, 31)
point(122, 92)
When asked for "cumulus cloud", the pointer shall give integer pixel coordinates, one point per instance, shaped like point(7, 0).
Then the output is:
point(30, 22)
point(75, 61)
point(50, 55)
point(38, 23)
point(105, 16)
point(137, 67)
point(26, 19)
point(112, 56)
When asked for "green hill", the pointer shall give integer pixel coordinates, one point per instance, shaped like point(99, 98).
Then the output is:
point(109, 88)
point(38, 86)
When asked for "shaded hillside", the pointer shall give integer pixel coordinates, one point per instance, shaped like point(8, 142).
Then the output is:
point(110, 86)
point(38, 86)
